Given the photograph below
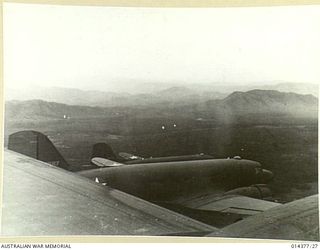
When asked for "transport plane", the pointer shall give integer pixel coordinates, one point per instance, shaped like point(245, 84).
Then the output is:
point(195, 197)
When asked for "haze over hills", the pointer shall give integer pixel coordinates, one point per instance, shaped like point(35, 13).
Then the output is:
point(237, 103)
point(183, 94)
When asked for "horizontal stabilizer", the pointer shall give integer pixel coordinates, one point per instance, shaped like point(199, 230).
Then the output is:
point(102, 162)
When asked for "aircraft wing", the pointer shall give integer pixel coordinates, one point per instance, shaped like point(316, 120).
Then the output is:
point(235, 204)
point(297, 220)
point(222, 210)
point(40, 199)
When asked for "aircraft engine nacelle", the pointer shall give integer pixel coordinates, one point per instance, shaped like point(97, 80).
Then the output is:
point(258, 191)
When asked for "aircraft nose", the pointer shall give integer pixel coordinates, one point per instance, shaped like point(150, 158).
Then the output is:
point(266, 175)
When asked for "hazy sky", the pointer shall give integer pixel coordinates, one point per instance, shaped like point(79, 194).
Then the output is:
point(102, 47)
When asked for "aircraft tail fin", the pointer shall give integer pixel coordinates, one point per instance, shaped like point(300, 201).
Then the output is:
point(103, 156)
point(38, 146)
point(103, 150)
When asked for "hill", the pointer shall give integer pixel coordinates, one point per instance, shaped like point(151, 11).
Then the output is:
point(262, 102)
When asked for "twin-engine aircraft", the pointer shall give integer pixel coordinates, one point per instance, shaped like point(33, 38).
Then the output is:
point(194, 197)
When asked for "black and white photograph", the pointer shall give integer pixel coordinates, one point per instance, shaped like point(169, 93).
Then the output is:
point(166, 122)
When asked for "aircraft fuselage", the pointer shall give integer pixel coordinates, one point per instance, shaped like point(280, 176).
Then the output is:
point(167, 181)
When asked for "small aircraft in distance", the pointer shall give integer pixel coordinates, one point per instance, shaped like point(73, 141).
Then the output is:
point(204, 197)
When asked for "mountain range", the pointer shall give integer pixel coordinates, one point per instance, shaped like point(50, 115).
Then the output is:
point(237, 103)
point(178, 94)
